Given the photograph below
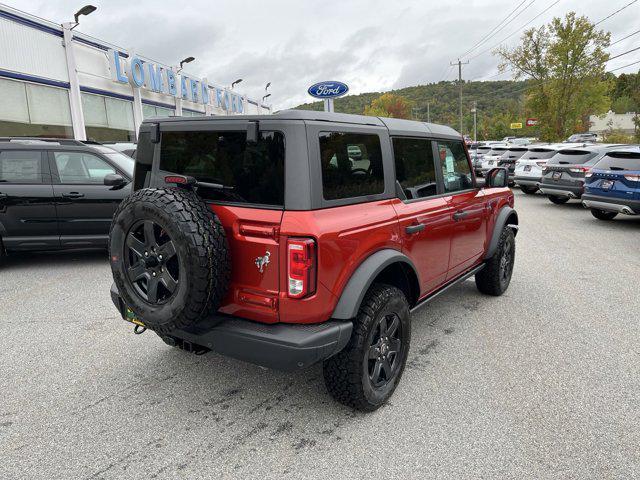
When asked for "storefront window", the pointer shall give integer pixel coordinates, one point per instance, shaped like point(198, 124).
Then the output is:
point(34, 110)
point(149, 111)
point(107, 118)
point(191, 113)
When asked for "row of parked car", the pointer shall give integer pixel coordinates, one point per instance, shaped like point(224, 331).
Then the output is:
point(605, 177)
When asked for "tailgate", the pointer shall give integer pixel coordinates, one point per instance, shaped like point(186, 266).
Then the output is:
point(253, 236)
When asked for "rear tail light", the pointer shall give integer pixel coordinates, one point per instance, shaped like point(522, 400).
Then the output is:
point(545, 169)
point(579, 169)
point(301, 268)
point(633, 178)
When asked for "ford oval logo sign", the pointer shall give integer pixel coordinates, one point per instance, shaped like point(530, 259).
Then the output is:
point(328, 89)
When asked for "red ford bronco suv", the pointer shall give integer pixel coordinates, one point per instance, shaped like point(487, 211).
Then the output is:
point(304, 237)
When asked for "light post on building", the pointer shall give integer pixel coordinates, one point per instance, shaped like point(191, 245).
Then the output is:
point(235, 83)
point(186, 60)
point(177, 70)
point(75, 100)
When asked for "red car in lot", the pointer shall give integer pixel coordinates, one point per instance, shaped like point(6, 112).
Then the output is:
point(305, 237)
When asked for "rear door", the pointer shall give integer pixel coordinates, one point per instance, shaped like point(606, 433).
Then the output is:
point(468, 207)
point(27, 211)
point(85, 205)
point(424, 214)
point(250, 206)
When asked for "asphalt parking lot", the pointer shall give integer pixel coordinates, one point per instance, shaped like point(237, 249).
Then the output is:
point(540, 383)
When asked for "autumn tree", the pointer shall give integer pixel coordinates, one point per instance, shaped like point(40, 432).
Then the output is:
point(389, 105)
point(566, 62)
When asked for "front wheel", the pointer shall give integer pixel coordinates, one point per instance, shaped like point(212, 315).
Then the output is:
point(528, 190)
point(365, 374)
point(603, 215)
point(557, 200)
point(495, 277)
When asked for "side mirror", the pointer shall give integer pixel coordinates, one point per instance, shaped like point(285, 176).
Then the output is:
point(497, 178)
point(115, 180)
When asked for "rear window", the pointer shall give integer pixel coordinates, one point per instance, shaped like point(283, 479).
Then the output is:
point(572, 157)
point(351, 165)
point(252, 174)
point(538, 153)
point(497, 151)
point(620, 161)
point(21, 167)
point(484, 149)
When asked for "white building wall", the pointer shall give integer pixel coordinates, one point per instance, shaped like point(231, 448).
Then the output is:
point(612, 121)
point(24, 49)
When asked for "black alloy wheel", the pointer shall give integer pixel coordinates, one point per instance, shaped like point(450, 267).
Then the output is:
point(152, 266)
point(385, 347)
point(507, 260)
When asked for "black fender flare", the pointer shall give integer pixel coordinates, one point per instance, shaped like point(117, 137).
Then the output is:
point(507, 216)
point(362, 278)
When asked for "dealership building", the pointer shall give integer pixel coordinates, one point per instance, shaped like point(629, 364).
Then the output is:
point(57, 82)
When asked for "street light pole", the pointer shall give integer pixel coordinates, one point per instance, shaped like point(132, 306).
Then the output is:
point(474, 110)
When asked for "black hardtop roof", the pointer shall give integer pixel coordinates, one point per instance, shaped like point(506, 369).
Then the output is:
point(396, 126)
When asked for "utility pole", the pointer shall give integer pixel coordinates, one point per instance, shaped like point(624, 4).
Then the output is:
point(428, 112)
point(459, 63)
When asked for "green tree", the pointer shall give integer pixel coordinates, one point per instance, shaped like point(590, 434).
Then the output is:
point(623, 104)
point(566, 62)
point(389, 105)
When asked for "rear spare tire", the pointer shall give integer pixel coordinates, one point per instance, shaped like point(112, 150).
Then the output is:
point(169, 258)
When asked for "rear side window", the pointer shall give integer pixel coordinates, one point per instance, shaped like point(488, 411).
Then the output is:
point(252, 174)
point(620, 161)
point(351, 165)
point(572, 157)
point(20, 166)
point(455, 166)
point(415, 167)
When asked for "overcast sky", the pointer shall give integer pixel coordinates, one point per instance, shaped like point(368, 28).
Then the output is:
point(372, 45)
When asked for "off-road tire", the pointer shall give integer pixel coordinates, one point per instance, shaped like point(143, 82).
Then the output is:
point(201, 250)
point(557, 200)
point(346, 374)
point(491, 280)
point(528, 189)
point(603, 215)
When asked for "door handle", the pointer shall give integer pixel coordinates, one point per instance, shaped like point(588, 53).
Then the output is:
point(73, 195)
point(460, 214)
point(411, 229)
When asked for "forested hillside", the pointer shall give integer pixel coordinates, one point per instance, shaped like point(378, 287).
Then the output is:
point(499, 103)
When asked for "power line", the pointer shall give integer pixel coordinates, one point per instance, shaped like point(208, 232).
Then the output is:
point(477, 44)
point(624, 38)
point(625, 66)
point(614, 13)
point(624, 53)
point(516, 31)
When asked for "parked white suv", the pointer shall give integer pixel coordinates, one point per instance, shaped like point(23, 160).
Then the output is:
point(528, 172)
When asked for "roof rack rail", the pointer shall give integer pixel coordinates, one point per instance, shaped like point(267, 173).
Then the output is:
point(60, 141)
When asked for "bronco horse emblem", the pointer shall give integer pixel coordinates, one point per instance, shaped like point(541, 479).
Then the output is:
point(262, 262)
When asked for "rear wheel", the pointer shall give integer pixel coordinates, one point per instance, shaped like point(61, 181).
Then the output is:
point(495, 277)
point(603, 214)
point(557, 200)
point(365, 374)
point(528, 190)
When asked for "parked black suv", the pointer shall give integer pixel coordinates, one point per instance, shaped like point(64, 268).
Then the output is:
point(59, 194)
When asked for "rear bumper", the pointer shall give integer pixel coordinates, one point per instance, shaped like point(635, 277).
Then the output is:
point(279, 346)
point(608, 204)
point(527, 181)
point(562, 190)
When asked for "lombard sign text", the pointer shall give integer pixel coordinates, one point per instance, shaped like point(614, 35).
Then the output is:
point(160, 79)
point(328, 89)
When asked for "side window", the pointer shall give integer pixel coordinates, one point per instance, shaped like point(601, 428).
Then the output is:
point(351, 165)
point(415, 167)
point(21, 166)
point(81, 167)
point(455, 166)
